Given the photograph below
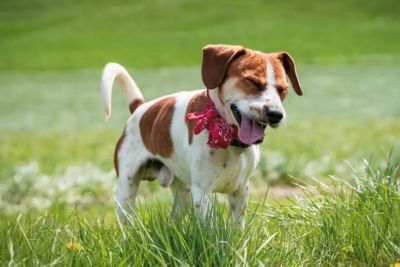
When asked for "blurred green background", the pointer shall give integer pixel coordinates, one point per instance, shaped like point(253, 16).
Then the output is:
point(52, 52)
point(50, 35)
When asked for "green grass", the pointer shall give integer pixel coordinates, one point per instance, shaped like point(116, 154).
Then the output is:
point(48, 35)
point(357, 225)
point(56, 153)
point(56, 175)
point(56, 118)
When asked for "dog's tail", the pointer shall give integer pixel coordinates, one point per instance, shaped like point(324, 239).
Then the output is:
point(114, 71)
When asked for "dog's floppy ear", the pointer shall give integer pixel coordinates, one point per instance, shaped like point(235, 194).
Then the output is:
point(216, 60)
point(290, 69)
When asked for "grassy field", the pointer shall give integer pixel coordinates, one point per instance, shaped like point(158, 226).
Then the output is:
point(45, 34)
point(56, 176)
point(340, 118)
point(356, 225)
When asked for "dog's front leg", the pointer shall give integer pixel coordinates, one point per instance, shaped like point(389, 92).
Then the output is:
point(181, 196)
point(238, 204)
point(201, 201)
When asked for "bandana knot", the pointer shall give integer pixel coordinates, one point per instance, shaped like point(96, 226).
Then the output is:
point(220, 133)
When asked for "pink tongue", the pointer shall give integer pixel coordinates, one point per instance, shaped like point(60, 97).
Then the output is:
point(250, 131)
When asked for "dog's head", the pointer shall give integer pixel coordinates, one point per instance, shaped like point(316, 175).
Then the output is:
point(251, 86)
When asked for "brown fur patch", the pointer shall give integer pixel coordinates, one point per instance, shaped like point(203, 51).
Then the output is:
point(289, 66)
point(280, 75)
point(155, 127)
point(250, 70)
point(249, 67)
point(197, 103)
point(216, 60)
point(117, 147)
point(135, 104)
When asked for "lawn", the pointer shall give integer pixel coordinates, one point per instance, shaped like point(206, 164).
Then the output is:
point(45, 34)
point(56, 174)
point(353, 225)
point(56, 118)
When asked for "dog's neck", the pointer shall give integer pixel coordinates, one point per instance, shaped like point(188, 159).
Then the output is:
point(219, 106)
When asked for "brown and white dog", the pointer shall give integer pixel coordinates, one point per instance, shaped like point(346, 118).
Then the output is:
point(247, 89)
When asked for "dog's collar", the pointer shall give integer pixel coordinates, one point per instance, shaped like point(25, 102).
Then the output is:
point(237, 143)
point(220, 133)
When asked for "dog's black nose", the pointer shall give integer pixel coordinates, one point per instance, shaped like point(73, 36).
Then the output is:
point(273, 116)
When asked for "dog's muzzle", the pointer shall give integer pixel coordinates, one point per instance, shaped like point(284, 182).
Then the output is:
point(255, 125)
point(236, 113)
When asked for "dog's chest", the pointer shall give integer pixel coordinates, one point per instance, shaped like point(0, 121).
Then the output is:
point(215, 170)
point(225, 171)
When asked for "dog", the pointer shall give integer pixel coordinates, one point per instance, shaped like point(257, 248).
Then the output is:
point(245, 86)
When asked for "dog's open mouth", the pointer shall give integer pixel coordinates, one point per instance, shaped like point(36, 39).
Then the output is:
point(250, 131)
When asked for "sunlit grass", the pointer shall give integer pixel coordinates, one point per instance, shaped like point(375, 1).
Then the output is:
point(56, 118)
point(357, 223)
point(56, 175)
point(44, 34)
point(56, 154)
point(298, 150)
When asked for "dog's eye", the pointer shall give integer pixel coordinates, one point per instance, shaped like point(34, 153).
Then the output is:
point(255, 83)
point(282, 90)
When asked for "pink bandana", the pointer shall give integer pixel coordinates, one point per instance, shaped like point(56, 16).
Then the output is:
point(220, 133)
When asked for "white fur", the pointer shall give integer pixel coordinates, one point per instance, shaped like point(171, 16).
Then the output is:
point(114, 71)
point(271, 96)
point(197, 168)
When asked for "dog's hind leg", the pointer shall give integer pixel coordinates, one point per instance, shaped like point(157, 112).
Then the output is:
point(129, 166)
point(165, 176)
point(128, 185)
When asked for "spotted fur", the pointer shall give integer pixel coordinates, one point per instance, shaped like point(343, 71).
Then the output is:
point(158, 143)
